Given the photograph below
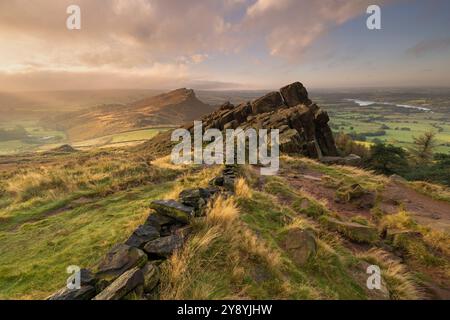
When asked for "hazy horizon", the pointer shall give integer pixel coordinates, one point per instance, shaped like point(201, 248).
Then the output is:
point(223, 45)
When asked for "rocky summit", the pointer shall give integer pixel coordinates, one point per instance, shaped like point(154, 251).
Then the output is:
point(303, 125)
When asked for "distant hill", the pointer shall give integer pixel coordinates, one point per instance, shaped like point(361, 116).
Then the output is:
point(168, 109)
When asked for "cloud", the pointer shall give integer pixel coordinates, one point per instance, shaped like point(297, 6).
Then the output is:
point(429, 46)
point(293, 25)
point(157, 42)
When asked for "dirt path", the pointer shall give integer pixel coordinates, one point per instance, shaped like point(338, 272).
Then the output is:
point(425, 210)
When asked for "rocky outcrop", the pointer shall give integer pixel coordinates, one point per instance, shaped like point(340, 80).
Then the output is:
point(303, 125)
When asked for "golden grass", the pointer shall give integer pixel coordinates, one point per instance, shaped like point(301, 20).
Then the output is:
point(398, 281)
point(242, 189)
point(435, 191)
point(221, 239)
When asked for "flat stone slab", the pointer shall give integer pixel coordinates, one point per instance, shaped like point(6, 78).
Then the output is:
point(165, 246)
point(353, 231)
point(142, 235)
point(123, 285)
point(84, 293)
point(173, 209)
point(121, 258)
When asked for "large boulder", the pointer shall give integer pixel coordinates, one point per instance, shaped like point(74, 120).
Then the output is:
point(122, 286)
point(295, 94)
point(173, 209)
point(351, 230)
point(357, 195)
point(300, 245)
point(119, 259)
point(142, 235)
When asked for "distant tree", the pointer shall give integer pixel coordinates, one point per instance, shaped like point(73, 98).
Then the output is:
point(423, 149)
point(347, 146)
point(388, 159)
point(436, 172)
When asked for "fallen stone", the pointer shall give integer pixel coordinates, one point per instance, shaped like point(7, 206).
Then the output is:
point(159, 221)
point(142, 235)
point(165, 246)
point(195, 198)
point(396, 236)
point(353, 231)
point(120, 259)
point(300, 245)
point(151, 276)
point(87, 277)
point(123, 285)
point(217, 181)
point(86, 292)
point(173, 209)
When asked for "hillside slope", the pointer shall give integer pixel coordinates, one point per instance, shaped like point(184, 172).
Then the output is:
point(168, 109)
point(310, 232)
point(52, 217)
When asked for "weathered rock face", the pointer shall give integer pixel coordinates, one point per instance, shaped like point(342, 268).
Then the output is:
point(295, 94)
point(303, 125)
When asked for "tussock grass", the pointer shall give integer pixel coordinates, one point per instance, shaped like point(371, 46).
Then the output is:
point(242, 189)
point(399, 282)
point(220, 260)
point(429, 249)
point(435, 191)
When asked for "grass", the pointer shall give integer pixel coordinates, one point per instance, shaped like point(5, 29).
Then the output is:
point(236, 253)
point(435, 191)
point(70, 212)
point(399, 282)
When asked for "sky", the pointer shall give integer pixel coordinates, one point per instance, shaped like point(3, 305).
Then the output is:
point(223, 44)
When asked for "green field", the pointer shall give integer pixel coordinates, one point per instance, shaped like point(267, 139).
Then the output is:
point(400, 129)
point(42, 139)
